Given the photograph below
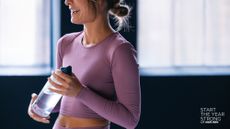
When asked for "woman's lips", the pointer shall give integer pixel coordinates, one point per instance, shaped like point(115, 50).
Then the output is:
point(74, 11)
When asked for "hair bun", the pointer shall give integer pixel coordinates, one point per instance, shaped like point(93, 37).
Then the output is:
point(120, 10)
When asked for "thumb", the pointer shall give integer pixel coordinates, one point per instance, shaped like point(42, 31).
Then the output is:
point(33, 98)
point(73, 75)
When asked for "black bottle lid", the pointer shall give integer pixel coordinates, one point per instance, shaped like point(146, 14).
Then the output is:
point(67, 70)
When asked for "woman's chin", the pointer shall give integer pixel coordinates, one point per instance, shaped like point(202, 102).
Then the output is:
point(75, 21)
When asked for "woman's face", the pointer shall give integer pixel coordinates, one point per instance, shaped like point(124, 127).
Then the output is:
point(82, 11)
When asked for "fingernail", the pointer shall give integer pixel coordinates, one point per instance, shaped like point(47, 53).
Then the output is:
point(33, 94)
point(47, 121)
point(57, 71)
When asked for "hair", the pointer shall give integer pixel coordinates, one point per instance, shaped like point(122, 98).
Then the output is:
point(120, 13)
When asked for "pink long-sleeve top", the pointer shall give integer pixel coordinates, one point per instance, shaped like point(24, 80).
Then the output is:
point(109, 72)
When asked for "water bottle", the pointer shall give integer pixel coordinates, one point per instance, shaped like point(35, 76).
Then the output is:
point(47, 100)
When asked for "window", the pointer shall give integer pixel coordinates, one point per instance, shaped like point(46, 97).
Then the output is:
point(184, 37)
point(26, 36)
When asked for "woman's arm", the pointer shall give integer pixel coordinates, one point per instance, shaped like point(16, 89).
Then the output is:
point(126, 110)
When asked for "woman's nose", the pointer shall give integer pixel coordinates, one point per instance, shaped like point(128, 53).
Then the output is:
point(67, 2)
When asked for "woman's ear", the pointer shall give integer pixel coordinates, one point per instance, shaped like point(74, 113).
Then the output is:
point(101, 5)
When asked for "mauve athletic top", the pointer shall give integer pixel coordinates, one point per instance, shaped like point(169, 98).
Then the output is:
point(110, 75)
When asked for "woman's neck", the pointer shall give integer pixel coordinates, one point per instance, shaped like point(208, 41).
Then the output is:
point(96, 32)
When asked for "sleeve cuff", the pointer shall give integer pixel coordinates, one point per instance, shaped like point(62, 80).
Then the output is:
point(81, 95)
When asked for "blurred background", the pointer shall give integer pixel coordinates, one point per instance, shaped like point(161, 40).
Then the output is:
point(183, 51)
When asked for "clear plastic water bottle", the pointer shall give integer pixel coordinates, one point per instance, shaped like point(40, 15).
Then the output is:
point(47, 100)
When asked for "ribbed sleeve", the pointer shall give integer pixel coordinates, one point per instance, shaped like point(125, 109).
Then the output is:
point(126, 110)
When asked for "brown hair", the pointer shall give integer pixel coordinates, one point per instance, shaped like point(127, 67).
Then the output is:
point(120, 11)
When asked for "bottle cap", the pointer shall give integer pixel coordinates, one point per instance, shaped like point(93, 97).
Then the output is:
point(67, 70)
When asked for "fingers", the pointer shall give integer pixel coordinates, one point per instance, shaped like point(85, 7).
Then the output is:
point(57, 91)
point(64, 76)
point(38, 118)
point(33, 115)
point(42, 120)
point(70, 85)
point(56, 85)
point(74, 77)
point(58, 78)
point(33, 98)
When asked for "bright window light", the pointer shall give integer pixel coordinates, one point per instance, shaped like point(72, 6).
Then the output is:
point(184, 37)
point(25, 37)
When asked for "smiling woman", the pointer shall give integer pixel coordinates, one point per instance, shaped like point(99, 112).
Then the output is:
point(104, 86)
point(24, 37)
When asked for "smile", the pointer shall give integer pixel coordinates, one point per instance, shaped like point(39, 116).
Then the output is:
point(74, 11)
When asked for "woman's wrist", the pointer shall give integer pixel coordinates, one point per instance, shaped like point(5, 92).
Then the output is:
point(79, 89)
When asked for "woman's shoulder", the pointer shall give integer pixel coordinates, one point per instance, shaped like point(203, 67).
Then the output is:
point(120, 45)
point(66, 40)
point(119, 42)
point(69, 37)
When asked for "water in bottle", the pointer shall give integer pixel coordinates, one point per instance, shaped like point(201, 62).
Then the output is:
point(47, 100)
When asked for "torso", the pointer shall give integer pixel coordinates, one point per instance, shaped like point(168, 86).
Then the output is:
point(92, 67)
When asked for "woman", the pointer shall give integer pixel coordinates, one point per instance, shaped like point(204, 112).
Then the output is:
point(104, 86)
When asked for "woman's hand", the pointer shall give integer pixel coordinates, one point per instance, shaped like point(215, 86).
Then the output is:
point(35, 116)
point(68, 85)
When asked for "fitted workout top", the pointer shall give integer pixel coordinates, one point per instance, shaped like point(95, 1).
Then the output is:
point(110, 76)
